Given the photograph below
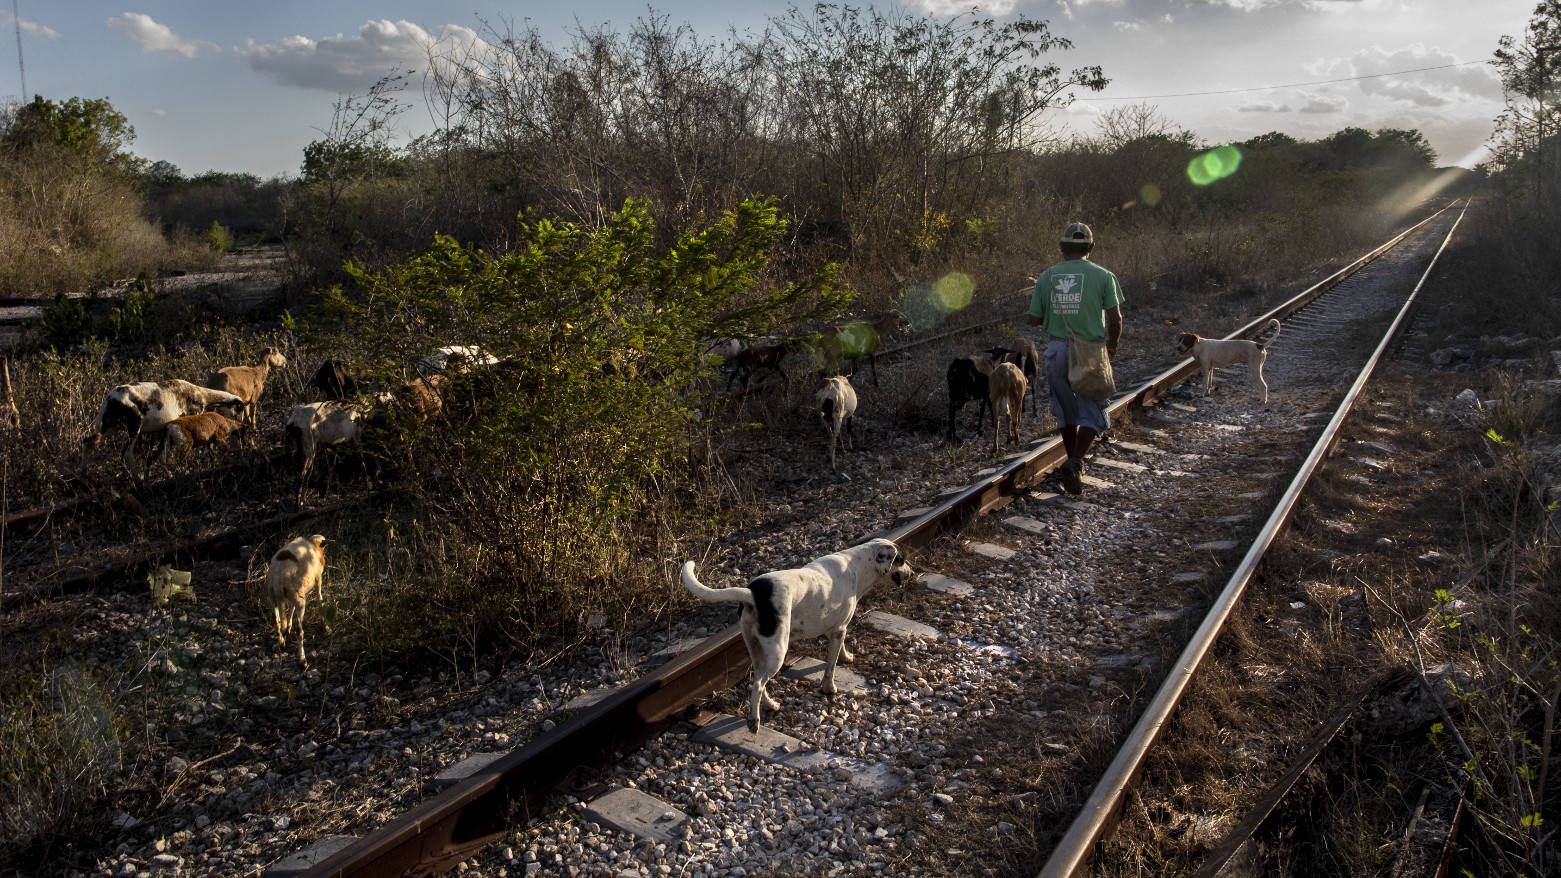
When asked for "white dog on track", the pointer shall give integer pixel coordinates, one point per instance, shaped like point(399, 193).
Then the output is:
point(803, 602)
point(1217, 353)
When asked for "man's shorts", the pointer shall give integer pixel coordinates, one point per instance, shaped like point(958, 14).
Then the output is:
point(1070, 409)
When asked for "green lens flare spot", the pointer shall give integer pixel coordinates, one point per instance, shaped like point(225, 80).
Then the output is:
point(952, 291)
point(858, 339)
point(1149, 194)
point(1216, 164)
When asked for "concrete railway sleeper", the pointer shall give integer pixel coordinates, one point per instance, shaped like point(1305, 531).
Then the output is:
point(827, 787)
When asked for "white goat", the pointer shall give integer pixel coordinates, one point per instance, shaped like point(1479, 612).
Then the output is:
point(146, 407)
point(456, 358)
point(296, 571)
point(249, 382)
point(314, 425)
point(836, 407)
point(1007, 387)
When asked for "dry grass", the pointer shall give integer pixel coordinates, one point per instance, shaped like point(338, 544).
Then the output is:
point(63, 230)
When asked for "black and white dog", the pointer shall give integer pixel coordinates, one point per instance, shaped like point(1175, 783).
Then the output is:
point(803, 602)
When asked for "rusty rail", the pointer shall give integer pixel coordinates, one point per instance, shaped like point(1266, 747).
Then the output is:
point(209, 544)
point(458, 822)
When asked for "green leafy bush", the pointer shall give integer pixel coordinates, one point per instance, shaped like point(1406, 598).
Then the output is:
point(64, 323)
point(219, 238)
point(555, 466)
point(132, 317)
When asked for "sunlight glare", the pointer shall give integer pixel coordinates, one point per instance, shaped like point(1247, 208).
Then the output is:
point(1216, 164)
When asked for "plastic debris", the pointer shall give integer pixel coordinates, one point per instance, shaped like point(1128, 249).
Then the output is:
point(167, 582)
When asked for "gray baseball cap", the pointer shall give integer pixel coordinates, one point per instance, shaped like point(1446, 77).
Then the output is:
point(1077, 233)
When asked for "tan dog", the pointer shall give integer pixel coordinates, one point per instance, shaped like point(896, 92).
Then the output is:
point(1216, 353)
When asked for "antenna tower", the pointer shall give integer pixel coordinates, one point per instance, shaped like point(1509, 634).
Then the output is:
point(16, 18)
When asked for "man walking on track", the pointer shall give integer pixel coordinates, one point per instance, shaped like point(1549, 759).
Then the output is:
point(1077, 295)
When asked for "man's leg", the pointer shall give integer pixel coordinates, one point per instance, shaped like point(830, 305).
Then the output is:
point(1083, 439)
point(1070, 436)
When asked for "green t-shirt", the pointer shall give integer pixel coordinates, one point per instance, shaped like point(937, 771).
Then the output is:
point(1080, 292)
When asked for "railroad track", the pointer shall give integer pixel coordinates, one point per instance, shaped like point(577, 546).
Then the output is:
point(1327, 329)
point(36, 569)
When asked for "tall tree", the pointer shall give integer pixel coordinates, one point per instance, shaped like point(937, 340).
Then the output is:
point(907, 114)
point(1529, 69)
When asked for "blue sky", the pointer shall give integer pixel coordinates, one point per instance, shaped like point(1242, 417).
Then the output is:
point(243, 86)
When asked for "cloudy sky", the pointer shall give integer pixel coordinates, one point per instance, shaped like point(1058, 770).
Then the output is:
point(244, 86)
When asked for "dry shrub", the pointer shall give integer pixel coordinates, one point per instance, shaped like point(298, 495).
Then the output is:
point(62, 752)
point(65, 229)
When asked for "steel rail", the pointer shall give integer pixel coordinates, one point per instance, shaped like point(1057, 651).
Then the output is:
point(208, 545)
point(1097, 818)
point(1222, 852)
point(62, 508)
point(456, 823)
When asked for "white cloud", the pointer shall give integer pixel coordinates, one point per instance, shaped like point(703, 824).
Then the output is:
point(1322, 104)
point(1422, 88)
point(341, 64)
point(151, 36)
point(158, 111)
point(1263, 107)
point(1428, 88)
point(958, 7)
point(1246, 5)
point(29, 27)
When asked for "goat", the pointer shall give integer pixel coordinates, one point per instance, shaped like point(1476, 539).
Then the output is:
point(1006, 387)
point(314, 425)
point(967, 380)
point(861, 338)
point(146, 407)
point(334, 381)
point(1027, 358)
point(420, 397)
point(724, 348)
point(296, 571)
point(249, 382)
point(759, 355)
point(207, 428)
point(455, 358)
point(836, 407)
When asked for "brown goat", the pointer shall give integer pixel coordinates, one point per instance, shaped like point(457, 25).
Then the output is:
point(759, 355)
point(420, 397)
point(206, 428)
point(248, 382)
point(1006, 386)
point(848, 343)
point(296, 571)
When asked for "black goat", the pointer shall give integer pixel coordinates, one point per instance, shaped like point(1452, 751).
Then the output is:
point(967, 377)
point(333, 380)
point(758, 355)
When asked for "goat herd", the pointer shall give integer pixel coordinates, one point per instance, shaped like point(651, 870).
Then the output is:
point(184, 415)
point(997, 377)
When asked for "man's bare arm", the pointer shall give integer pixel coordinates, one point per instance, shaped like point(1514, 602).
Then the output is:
point(1113, 329)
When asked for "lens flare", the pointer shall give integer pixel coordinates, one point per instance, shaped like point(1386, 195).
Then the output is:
point(1149, 195)
point(952, 291)
point(1216, 164)
point(928, 303)
point(858, 339)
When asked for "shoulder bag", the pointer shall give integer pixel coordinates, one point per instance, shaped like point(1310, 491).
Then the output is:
point(1089, 367)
